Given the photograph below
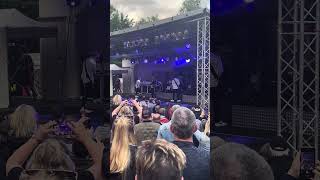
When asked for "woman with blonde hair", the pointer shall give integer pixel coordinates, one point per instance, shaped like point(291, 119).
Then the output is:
point(23, 121)
point(49, 159)
point(123, 149)
point(117, 99)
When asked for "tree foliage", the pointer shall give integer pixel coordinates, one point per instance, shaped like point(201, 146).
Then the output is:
point(148, 20)
point(189, 5)
point(118, 20)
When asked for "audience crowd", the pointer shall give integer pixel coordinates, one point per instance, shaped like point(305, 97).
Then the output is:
point(148, 140)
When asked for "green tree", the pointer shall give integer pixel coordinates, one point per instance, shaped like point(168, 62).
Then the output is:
point(148, 20)
point(118, 20)
point(189, 5)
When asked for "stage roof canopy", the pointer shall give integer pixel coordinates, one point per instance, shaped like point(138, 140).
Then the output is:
point(21, 26)
point(117, 70)
point(162, 36)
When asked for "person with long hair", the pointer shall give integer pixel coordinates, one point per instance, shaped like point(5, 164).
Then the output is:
point(23, 121)
point(48, 159)
point(123, 149)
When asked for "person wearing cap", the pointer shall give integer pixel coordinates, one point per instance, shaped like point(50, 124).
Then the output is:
point(147, 129)
point(280, 159)
point(198, 112)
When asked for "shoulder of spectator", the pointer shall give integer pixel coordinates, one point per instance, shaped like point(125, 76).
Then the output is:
point(288, 177)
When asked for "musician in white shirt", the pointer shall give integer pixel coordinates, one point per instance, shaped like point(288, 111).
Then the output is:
point(175, 86)
point(217, 96)
point(138, 85)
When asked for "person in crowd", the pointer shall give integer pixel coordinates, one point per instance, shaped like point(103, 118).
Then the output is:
point(216, 142)
point(124, 109)
point(265, 151)
point(280, 159)
point(236, 161)
point(163, 118)
point(164, 130)
point(165, 133)
point(147, 129)
point(116, 101)
point(23, 121)
point(22, 124)
point(206, 130)
point(156, 109)
point(294, 171)
point(183, 126)
point(123, 150)
point(156, 118)
point(158, 160)
point(198, 112)
point(49, 160)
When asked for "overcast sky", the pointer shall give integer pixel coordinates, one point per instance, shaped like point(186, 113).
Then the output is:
point(137, 9)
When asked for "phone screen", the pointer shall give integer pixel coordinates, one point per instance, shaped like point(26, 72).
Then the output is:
point(307, 162)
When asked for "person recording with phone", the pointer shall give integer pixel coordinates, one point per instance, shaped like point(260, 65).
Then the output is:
point(45, 158)
point(304, 166)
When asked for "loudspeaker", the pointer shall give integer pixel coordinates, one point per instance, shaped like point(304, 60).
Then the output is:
point(92, 31)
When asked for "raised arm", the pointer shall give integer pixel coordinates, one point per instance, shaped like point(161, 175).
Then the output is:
point(18, 158)
point(116, 110)
point(95, 149)
point(139, 108)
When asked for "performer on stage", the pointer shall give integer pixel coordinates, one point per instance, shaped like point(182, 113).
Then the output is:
point(89, 67)
point(153, 86)
point(176, 90)
point(138, 86)
point(216, 88)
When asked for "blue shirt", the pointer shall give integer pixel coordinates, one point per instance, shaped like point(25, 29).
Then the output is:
point(165, 133)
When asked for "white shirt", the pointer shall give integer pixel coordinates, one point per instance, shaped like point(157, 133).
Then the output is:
point(138, 83)
point(90, 64)
point(175, 83)
point(218, 67)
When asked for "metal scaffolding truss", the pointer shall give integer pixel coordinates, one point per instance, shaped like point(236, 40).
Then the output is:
point(203, 62)
point(298, 72)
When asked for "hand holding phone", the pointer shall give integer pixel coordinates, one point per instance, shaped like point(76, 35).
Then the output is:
point(307, 162)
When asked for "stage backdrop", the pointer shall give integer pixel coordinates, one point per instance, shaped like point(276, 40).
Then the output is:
point(163, 72)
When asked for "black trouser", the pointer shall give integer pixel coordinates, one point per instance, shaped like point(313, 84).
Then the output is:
point(87, 92)
point(176, 94)
point(138, 90)
point(220, 107)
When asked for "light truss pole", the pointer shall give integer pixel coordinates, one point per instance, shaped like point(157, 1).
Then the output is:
point(203, 62)
point(298, 72)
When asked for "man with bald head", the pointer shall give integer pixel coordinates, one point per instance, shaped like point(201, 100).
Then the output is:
point(183, 126)
point(236, 161)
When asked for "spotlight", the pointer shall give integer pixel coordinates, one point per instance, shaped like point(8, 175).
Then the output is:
point(73, 3)
point(188, 60)
point(132, 61)
point(145, 61)
point(188, 46)
point(162, 60)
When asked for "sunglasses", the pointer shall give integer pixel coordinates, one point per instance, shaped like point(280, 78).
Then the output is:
point(68, 175)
